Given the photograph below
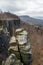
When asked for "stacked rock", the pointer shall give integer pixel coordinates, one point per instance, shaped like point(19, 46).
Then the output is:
point(24, 45)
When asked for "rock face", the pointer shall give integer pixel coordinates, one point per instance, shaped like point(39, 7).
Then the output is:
point(12, 60)
point(4, 44)
point(20, 46)
point(24, 45)
point(8, 22)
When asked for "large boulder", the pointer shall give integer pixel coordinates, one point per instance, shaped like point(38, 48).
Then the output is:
point(13, 47)
point(12, 60)
point(24, 45)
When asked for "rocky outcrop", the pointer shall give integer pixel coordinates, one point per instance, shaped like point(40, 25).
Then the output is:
point(9, 21)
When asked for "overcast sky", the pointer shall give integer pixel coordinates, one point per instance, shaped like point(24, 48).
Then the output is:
point(32, 8)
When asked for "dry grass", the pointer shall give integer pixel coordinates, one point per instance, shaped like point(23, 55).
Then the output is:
point(36, 39)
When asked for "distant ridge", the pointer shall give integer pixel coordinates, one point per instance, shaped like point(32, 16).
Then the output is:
point(31, 20)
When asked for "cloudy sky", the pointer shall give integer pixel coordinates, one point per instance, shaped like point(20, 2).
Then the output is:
point(33, 8)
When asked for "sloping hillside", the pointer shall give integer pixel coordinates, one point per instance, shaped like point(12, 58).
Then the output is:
point(31, 20)
point(36, 39)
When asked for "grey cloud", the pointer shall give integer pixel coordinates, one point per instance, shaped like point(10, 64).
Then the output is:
point(29, 7)
point(13, 5)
